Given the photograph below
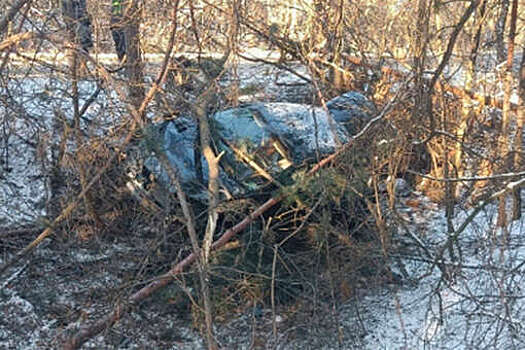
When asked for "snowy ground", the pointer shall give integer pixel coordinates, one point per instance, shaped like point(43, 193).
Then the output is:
point(479, 307)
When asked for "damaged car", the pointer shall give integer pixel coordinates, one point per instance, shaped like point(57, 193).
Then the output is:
point(262, 144)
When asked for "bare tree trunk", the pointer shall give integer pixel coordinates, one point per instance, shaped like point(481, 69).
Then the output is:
point(467, 112)
point(134, 67)
point(500, 30)
point(336, 47)
point(504, 137)
point(213, 200)
point(422, 95)
point(233, 50)
point(449, 198)
point(422, 110)
point(518, 141)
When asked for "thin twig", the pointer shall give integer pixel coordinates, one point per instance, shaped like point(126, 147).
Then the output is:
point(470, 178)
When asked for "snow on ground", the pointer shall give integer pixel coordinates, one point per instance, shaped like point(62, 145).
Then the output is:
point(479, 307)
point(31, 108)
point(40, 302)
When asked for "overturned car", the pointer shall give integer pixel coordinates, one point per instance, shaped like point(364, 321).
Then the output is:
point(261, 143)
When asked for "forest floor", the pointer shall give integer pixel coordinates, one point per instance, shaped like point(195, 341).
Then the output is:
point(66, 283)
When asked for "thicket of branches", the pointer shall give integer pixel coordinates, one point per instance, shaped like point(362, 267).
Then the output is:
point(458, 140)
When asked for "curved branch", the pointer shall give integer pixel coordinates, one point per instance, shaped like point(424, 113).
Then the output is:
point(452, 42)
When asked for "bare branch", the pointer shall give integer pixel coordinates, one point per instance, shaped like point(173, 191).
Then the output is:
point(470, 178)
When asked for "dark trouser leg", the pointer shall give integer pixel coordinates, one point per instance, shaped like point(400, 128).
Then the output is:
point(120, 42)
